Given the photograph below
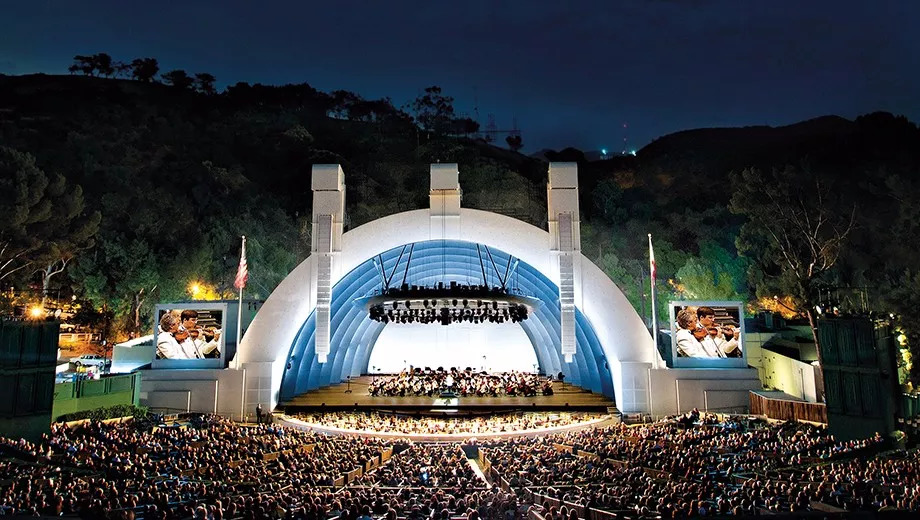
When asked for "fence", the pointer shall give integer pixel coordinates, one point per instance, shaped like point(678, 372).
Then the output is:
point(786, 410)
point(910, 406)
point(90, 394)
point(79, 337)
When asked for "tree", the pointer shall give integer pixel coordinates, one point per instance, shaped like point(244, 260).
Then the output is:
point(794, 234)
point(24, 205)
point(344, 103)
point(715, 274)
point(102, 63)
point(45, 224)
point(122, 69)
point(144, 69)
point(204, 83)
point(177, 78)
point(433, 110)
point(465, 126)
point(514, 142)
point(608, 201)
point(70, 230)
point(119, 277)
point(85, 65)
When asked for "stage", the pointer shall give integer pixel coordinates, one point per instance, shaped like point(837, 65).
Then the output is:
point(336, 397)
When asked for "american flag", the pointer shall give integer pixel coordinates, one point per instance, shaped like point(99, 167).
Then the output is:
point(242, 274)
point(651, 258)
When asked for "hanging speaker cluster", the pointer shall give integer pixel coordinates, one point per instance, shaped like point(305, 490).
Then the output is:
point(448, 303)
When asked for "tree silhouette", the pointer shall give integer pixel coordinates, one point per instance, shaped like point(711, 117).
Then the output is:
point(102, 63)
point(464, 126)
point(433, 110)
point(178, 78)
point(144, 69)
point(85, 65)
point(122, 69)
point(204, 82)
point(514, 142)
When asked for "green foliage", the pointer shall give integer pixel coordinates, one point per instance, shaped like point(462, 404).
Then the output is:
point(607, 198)
point(715, 274)
point(177, 176)
point(795, 232)
point(111, 412)
point(491, 186)
point(434, 111)
point(44, 224)
point(87, 315)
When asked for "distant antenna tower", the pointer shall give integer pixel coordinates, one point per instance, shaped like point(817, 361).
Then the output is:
point(625, 140)
point(491, 129)
point(514, 127)
point(476, 103)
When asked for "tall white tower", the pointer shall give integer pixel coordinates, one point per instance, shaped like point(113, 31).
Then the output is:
point(328, 217)
point(565, 233)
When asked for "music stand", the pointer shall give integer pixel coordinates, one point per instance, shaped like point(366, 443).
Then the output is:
point(348, 389)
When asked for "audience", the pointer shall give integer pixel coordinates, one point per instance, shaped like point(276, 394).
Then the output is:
point(686, 466)
point(497, 423)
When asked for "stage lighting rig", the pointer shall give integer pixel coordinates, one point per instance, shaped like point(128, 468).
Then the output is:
point(448, 303)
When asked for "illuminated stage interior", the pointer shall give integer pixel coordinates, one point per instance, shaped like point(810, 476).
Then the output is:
point(334, 397)
point(507, 346)
point(494, 347)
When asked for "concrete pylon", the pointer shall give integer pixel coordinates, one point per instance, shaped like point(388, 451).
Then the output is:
point(565, 233)
point(328, 221)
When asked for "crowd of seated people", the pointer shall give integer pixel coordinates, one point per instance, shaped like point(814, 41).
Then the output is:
point(466, 382)
point(498, 423)
point(421, 465)
point(95, 469)
point(700, 467)
point(686, 466)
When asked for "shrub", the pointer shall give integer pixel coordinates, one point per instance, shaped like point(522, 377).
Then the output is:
point(110, 412)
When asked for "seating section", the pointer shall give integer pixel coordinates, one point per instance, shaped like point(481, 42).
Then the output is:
point(407, 424)
point(685, 466)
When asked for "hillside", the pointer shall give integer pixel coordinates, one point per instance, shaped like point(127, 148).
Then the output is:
point(178, 175)
point(827, 143)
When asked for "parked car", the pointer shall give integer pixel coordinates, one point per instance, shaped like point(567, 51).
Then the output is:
point(68, 328)
point(91, 360)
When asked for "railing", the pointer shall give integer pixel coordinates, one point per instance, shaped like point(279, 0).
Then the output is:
point(785, 410)
point(79, 337)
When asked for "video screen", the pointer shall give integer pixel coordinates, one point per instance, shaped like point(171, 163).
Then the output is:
point(708, 332)
point(189, 333)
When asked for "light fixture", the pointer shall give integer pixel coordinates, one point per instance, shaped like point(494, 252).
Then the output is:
point(448, 303)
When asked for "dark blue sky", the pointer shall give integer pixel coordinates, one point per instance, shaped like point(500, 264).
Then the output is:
point(570, 74)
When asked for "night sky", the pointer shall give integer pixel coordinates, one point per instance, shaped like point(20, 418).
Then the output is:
point(571, 75)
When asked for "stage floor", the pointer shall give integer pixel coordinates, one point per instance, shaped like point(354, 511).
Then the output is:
point(336, 397)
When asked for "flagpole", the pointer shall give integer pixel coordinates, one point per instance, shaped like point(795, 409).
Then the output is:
point(239, 315)
point(652, 269)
